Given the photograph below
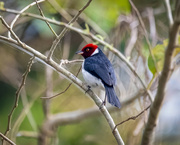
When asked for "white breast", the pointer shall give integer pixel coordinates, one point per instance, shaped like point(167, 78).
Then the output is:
point(90, 79)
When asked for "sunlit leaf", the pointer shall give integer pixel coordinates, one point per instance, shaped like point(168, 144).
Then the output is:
point(87, 28)
point(158, 52)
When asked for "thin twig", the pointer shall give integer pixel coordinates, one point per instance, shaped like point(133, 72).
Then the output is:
point(145, 33)
point(11, 31)
point(24, 76)
point(169, 12)
point(133, 117)
point(58, 93)
point(65, 15)
point(42, 14)
point(7, 139)
point(17, 16)
point(25, 103)
point(58, 39)
point(64, 90)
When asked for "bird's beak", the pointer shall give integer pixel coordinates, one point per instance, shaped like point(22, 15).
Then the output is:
point(79, 52)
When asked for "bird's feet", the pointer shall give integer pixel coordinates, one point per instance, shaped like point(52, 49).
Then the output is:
point(89, 88)
point(103, 103)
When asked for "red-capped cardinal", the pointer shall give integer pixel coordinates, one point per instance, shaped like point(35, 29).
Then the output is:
point(98, 71)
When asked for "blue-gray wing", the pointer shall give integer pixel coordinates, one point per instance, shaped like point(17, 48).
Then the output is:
point(104, 71)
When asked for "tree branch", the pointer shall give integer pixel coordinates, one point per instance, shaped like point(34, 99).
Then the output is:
point(169, 13)
point(50, 97)
point(42, 14)
point(24, 76)
point(17, 16)
point(133, 117)
point(156, 106)
point(7, 139)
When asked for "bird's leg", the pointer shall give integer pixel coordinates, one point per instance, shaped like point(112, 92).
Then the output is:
point(104, 102)
point(89, 87)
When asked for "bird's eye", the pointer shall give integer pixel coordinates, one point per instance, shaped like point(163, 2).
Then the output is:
point(87, 49)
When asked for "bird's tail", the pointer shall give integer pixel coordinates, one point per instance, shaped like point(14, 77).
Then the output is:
point(111, 96)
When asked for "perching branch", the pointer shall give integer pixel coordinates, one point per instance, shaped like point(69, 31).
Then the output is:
point(42, 58)
point(156, 106)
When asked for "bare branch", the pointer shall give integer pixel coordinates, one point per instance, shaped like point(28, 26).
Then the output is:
point(17, 16)
point(49, 90)
point(41, 12)
point(169, 13)
point(24, 76)
point(156, 106)
point(58, 39)
point(11, 31)
point(29, 134)
point(7, 139)
point(62, 91)
point(133, 117)
point(145, 33)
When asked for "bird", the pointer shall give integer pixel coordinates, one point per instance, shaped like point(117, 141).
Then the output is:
point(98, 71)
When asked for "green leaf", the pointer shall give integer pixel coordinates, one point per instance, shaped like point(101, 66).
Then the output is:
point(158, 52)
